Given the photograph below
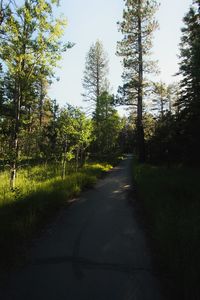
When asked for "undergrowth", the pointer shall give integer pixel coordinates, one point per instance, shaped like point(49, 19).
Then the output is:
point(172, 203)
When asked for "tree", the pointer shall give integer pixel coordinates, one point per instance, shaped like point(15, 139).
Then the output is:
point(73, 135)
point(137, 27)
point(173, 91)
point(190, 60)
point(95, 74)
point(4, 10)
point(107, 125)
point(189, 101)
point(160, 99)
point(30, 46)
point(127, 134)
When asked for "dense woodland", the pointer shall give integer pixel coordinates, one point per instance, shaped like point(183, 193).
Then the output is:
point(164, 119)
point(162, 126)
point(33, 127)
point(169, 113)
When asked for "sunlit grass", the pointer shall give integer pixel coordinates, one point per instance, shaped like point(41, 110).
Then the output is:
point(171, 198)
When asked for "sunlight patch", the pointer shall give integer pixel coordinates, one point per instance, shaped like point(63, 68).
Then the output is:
point(127, 186)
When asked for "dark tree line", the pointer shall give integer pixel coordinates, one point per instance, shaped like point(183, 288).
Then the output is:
point(172, 112)
point(177, 133)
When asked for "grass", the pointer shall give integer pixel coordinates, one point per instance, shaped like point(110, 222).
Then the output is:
point(40, 192)
point(171, 199)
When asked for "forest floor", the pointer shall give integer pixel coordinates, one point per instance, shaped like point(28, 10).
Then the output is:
point(95, 249)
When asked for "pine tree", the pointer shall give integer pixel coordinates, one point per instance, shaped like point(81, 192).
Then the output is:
point(137, 27)
point(189, 102)
point(4, 10)
point(107, 125)
point(95, 75)
point(160, 91)
point(190, 60)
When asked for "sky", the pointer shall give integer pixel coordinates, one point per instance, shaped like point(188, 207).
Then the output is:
point(89, 20)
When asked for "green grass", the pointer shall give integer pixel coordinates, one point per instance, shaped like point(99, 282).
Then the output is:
point(171, 198)
point(40, 192)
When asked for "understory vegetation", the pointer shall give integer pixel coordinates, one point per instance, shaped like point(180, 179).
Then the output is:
point(170, 198)
point(40, 192)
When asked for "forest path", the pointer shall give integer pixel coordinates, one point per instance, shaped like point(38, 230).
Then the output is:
point(95, 250)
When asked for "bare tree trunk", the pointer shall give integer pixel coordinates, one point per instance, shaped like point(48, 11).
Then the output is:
point(170, 104)
point(18, 94)
point(140, 129)
point(162, 107)
point(107, 138)
point(97, 102)
point(41, 103)
point(77, 158)
point(64, 168)
point(64, 161)
point(17, 103)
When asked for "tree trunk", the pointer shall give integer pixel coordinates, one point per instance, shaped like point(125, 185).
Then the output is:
point(15, 150)
point(170, 104)
point(18, 94)
point(41, 103)
point(64, 168)
point(107, 138)
point(64, 161)
point(77, 159)
point(140, 129)
point(82, 156)
point(162, 107)
point(13, 176)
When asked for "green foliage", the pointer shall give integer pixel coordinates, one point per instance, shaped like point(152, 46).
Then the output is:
point(105, 122)
point(171, 201)
point(31, 39)
point(190, 61)
point(30, 47)
point(189, 102)
point(127, 137)
point(166, 143)
point(107, 126)
point(73, 135)
point(160, 99)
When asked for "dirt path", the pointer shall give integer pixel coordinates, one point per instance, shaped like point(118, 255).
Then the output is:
point(94, 251)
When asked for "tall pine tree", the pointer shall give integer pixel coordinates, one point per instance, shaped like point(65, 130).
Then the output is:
point(137, 26)
point(189, 102)
point(190, 60)
point(95, 74)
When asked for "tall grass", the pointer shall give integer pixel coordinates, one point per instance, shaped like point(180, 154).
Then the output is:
point(171, 198)
point(39, 192)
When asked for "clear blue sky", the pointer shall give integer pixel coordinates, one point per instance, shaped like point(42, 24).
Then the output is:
point(90, 20)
